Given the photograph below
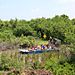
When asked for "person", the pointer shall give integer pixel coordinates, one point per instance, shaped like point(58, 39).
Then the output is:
point(33, 48)
point(46, 46)
point(42, 47)
point(36, 47)
point(39, 47)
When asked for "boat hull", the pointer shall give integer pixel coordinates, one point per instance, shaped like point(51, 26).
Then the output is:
point(35, 51)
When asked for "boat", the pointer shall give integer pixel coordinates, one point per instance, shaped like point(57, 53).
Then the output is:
point(37, 51)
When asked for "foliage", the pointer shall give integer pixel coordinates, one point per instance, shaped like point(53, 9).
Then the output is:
point(9, 60)
point(18, 32)
point(60, 27)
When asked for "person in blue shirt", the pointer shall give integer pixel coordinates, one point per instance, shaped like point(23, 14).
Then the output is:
point(42, 47)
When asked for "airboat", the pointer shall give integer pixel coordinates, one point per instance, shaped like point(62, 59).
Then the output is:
point(37, 51)
point(54, 41)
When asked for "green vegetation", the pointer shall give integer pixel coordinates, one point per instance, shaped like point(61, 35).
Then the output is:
point(60, 27)
point(18, 32)
point(58, 63)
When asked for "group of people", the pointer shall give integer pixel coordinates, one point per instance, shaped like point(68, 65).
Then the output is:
point(39, 47)
point(53, 43)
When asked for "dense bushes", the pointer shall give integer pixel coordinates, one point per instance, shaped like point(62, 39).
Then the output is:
point(59, 27)
point(58, 69)
point(11, 59)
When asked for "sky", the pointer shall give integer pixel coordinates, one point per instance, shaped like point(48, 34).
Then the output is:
point(31, 9)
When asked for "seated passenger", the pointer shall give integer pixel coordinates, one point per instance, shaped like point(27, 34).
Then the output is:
point(36, 47)
point(42, 47)
point(33, 48)
point(39, 47)
point(46, 47)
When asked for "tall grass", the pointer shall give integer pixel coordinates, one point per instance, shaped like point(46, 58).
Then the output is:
point(54, 61)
